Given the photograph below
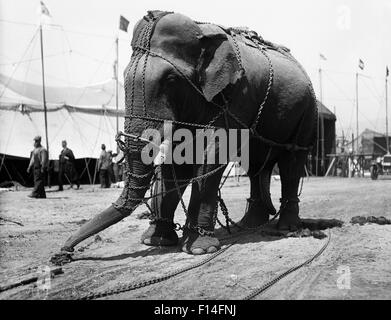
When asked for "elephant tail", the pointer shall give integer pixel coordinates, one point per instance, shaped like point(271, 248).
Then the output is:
point(306, 134)
point(264, 183)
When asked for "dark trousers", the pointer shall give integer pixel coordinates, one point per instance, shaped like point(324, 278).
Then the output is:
point(104, 178)
point(111, 173)
point(68, 172)
point(117, 168)
point(39, 184)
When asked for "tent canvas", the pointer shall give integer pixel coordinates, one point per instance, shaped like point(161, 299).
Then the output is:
point(85, 117)
point(99, 94)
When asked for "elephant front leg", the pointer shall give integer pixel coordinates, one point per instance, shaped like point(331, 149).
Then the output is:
point(161, 231)
point(198, 235)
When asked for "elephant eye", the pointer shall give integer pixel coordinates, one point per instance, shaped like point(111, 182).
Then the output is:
point(171, 78)
point(170, 81)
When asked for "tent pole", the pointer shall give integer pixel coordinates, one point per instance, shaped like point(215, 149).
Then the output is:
point(322, 162)
point(387, 141)
point(116, 84)
point(44, 98)
point(353, 142)
point(317, 144)
point(357, 133)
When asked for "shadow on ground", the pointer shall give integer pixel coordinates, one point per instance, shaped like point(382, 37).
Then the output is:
point(269, 233)
point(152, 251)
point(310, 228)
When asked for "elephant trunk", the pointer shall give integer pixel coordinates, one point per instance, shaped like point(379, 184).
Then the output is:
point(137, 183)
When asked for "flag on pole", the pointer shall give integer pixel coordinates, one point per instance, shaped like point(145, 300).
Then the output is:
point(387, 72)
point(361, 64)
point(44, 10)
point(123, 24)
point(322, 57)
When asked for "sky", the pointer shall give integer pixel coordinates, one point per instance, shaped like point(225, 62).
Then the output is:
point(79, 43)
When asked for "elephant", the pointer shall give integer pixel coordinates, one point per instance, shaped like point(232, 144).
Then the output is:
point(197, 73)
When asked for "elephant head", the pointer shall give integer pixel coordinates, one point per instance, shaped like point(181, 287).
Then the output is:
point(177, 68)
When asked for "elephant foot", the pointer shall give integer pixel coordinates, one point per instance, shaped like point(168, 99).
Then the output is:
point(160, 233)
point(199, 241)
point(289, 217)
point(256, 214)
point(63, 257)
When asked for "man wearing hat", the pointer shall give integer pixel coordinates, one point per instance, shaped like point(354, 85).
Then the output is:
point(39, 164)
point(103, 165)
point(67, 167)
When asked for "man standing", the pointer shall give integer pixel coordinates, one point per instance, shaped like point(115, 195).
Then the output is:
point(117, 167)
point(103, 167)
point(39, 163)
point(67, 167)
point(111, 169)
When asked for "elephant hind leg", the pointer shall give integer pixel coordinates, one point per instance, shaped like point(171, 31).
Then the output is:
point(291, 165)
point(259, 205)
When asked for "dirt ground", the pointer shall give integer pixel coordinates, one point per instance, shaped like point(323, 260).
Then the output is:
point(360, 254)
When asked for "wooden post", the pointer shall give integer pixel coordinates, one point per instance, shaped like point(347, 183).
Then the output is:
point(349, 167)
point(353, 143)
point(330, 167)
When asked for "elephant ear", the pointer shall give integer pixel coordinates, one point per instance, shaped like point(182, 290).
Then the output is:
point(218, 65)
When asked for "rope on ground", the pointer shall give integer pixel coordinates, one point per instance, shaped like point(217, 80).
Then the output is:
point(145, 283)
point(11, 221)
point(272, 282)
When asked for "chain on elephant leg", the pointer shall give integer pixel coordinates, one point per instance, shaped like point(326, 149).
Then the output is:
point(198, 233)
point(289, 210)
point(289, 215)
point(197, 240)
point(161, 230)
point(199, 237)
point(158, 232)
